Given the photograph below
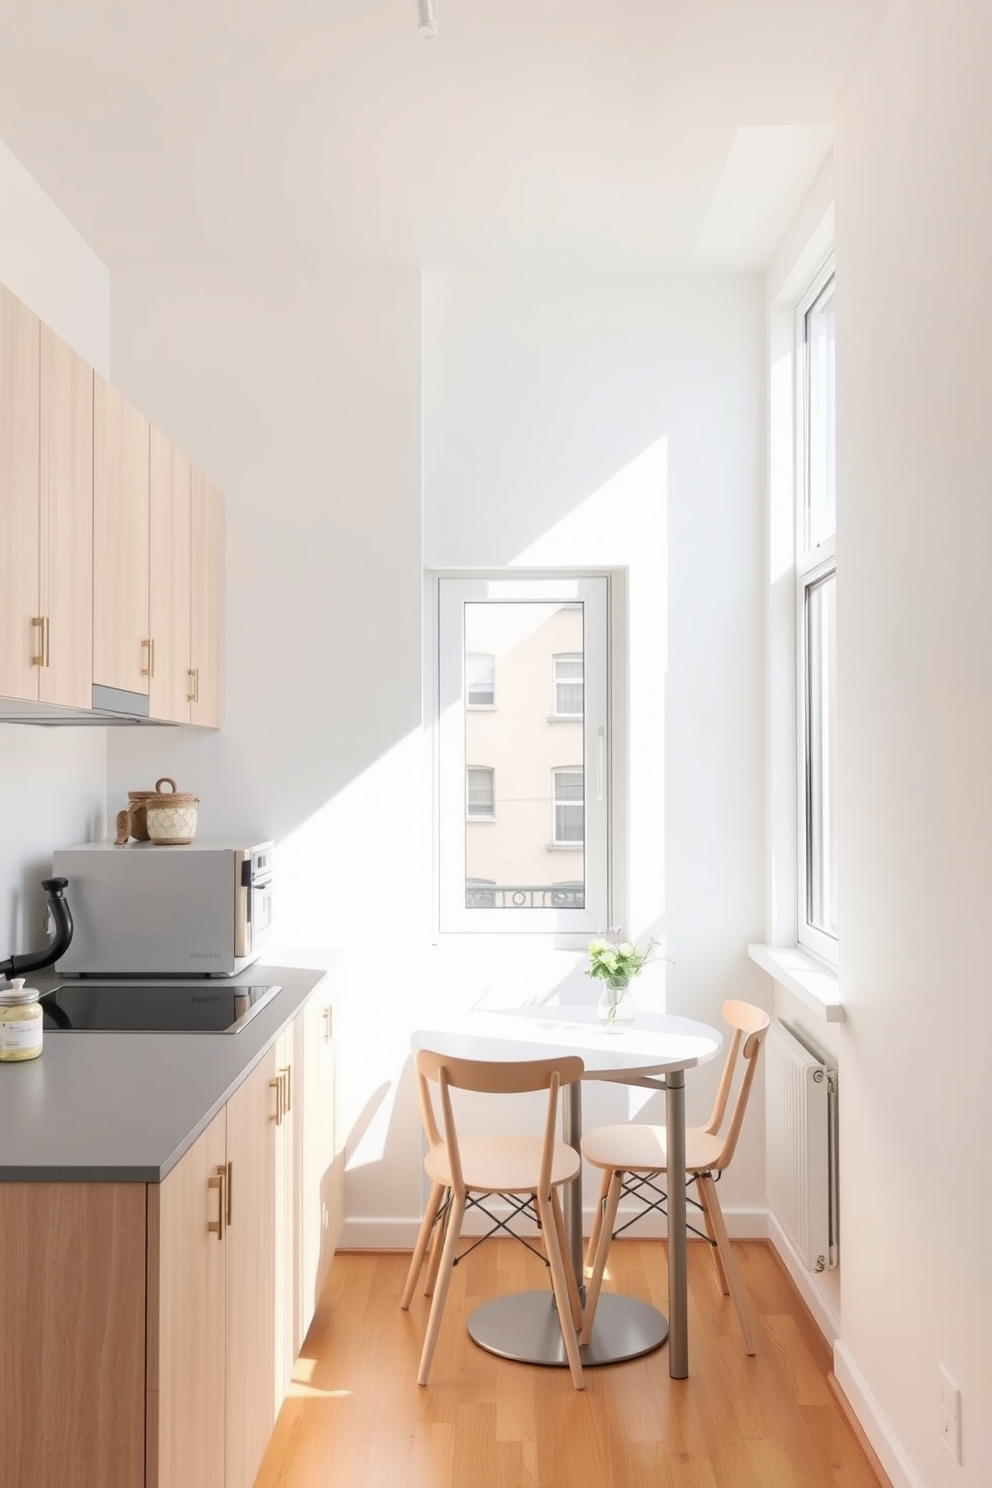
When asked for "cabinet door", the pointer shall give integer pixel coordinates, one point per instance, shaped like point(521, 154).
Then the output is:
point(206, 602)
point(320, 1199)
point(254, 1138)
point(169, 580)
point(187, 1255)
point(121, 640)
point(287, 1273)
point(72, 1340)
point(66, 587)
point(21, 647)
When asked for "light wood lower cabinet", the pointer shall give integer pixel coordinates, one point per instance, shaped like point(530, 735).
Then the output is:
point(148, 1332)
point(72, 1335)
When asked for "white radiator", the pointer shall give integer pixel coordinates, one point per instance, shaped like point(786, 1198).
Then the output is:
point(801, 1146)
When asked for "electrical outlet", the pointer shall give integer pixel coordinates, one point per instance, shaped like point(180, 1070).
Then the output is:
point(950, 1413)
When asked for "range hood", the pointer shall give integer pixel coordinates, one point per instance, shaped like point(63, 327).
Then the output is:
point(112, 707)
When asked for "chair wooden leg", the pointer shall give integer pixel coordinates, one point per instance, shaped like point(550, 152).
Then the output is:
point(437, 1245)
point(602, 1250)
point(423, 1239)
point(707, 1186)
point(597, 1219)
point(441, 1286)
point(559, 1281)
point(717, 1257)
point(575, 1301)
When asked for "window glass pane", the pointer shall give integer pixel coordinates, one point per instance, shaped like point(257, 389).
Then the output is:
point(479, 792)
point(821, 755)
point(821, 497)
point(479, 679)
point(531, 855)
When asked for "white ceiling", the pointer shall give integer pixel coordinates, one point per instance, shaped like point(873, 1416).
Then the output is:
point(528, 134)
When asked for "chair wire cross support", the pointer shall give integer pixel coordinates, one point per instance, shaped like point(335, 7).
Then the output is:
point(632, 1157)
point(527, 1171)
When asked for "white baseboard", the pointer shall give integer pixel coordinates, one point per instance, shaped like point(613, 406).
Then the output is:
point(876, 1428)
point(824, 1316)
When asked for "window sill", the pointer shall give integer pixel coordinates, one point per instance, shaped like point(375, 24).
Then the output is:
point(810, 980)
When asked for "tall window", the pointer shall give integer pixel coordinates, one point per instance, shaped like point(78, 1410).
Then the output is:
point(539, 862)
point(816, 571)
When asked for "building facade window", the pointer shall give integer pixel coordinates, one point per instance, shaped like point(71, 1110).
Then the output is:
point(816, 616)
point(568, 821)
point(480, 680)
point(538, 859)
point(568, 686)
point(480, 792)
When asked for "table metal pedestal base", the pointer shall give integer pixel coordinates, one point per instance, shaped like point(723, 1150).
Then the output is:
point(525, 1327)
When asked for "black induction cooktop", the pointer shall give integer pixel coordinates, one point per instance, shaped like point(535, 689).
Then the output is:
point(152, 1007)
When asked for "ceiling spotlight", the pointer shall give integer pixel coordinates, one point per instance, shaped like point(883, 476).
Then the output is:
point(428, 18)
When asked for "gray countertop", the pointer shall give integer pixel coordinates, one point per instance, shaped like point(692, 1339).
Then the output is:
point(124, 1107)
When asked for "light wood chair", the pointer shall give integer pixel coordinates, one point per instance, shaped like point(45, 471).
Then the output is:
point(633, 1157)
point(464, 1171)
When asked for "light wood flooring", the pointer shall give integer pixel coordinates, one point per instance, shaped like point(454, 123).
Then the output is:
point(356, 1416)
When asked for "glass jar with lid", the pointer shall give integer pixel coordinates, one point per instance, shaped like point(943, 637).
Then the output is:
point(21, 1022)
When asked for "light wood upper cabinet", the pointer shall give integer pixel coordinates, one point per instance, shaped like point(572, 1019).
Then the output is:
point(66, 527)
point(46, 512)
point(22, 644)
point(121, 635)
point(169, 580)
point(206, 602)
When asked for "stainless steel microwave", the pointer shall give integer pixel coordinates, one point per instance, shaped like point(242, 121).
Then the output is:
point(196, 909)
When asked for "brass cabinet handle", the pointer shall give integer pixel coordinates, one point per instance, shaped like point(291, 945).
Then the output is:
point(191, 685)
point(38, 623)
point(230, 1191)
point(276, 1085)
point(286, 1073)
point(149, 670)
point(328, 1023)
point(216, 1226)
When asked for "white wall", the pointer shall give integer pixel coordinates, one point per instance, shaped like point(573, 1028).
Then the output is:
point(52, 781)
point(593, 423)
point(913, 160)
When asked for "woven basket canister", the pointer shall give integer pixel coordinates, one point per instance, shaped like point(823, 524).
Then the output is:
point(171, 815)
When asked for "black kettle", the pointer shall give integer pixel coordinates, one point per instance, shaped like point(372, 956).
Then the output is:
point(61, 914)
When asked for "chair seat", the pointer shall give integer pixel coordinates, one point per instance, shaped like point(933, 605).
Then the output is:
point(502, 1164)
point(643, 1149)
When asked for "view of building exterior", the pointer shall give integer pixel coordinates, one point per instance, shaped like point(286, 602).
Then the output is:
point(524, 777)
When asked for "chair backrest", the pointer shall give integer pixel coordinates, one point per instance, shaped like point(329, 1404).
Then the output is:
point(491, 1077)
point(750, 1025)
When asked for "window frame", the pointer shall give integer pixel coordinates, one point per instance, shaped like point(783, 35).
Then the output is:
point(813, 565)
point(450, 593)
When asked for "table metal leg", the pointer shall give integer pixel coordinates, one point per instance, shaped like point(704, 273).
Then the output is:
point(678, 1341)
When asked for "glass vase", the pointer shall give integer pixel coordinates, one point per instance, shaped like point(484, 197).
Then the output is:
point(617, 1009)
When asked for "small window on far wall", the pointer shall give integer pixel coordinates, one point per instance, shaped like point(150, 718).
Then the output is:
point(569, 808)
point(568, 686)
point(480, 680)
point(816, 616)
point(480, 792)
point(539, 864)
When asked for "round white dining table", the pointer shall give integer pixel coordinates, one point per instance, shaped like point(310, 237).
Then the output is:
point(655, 1052)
